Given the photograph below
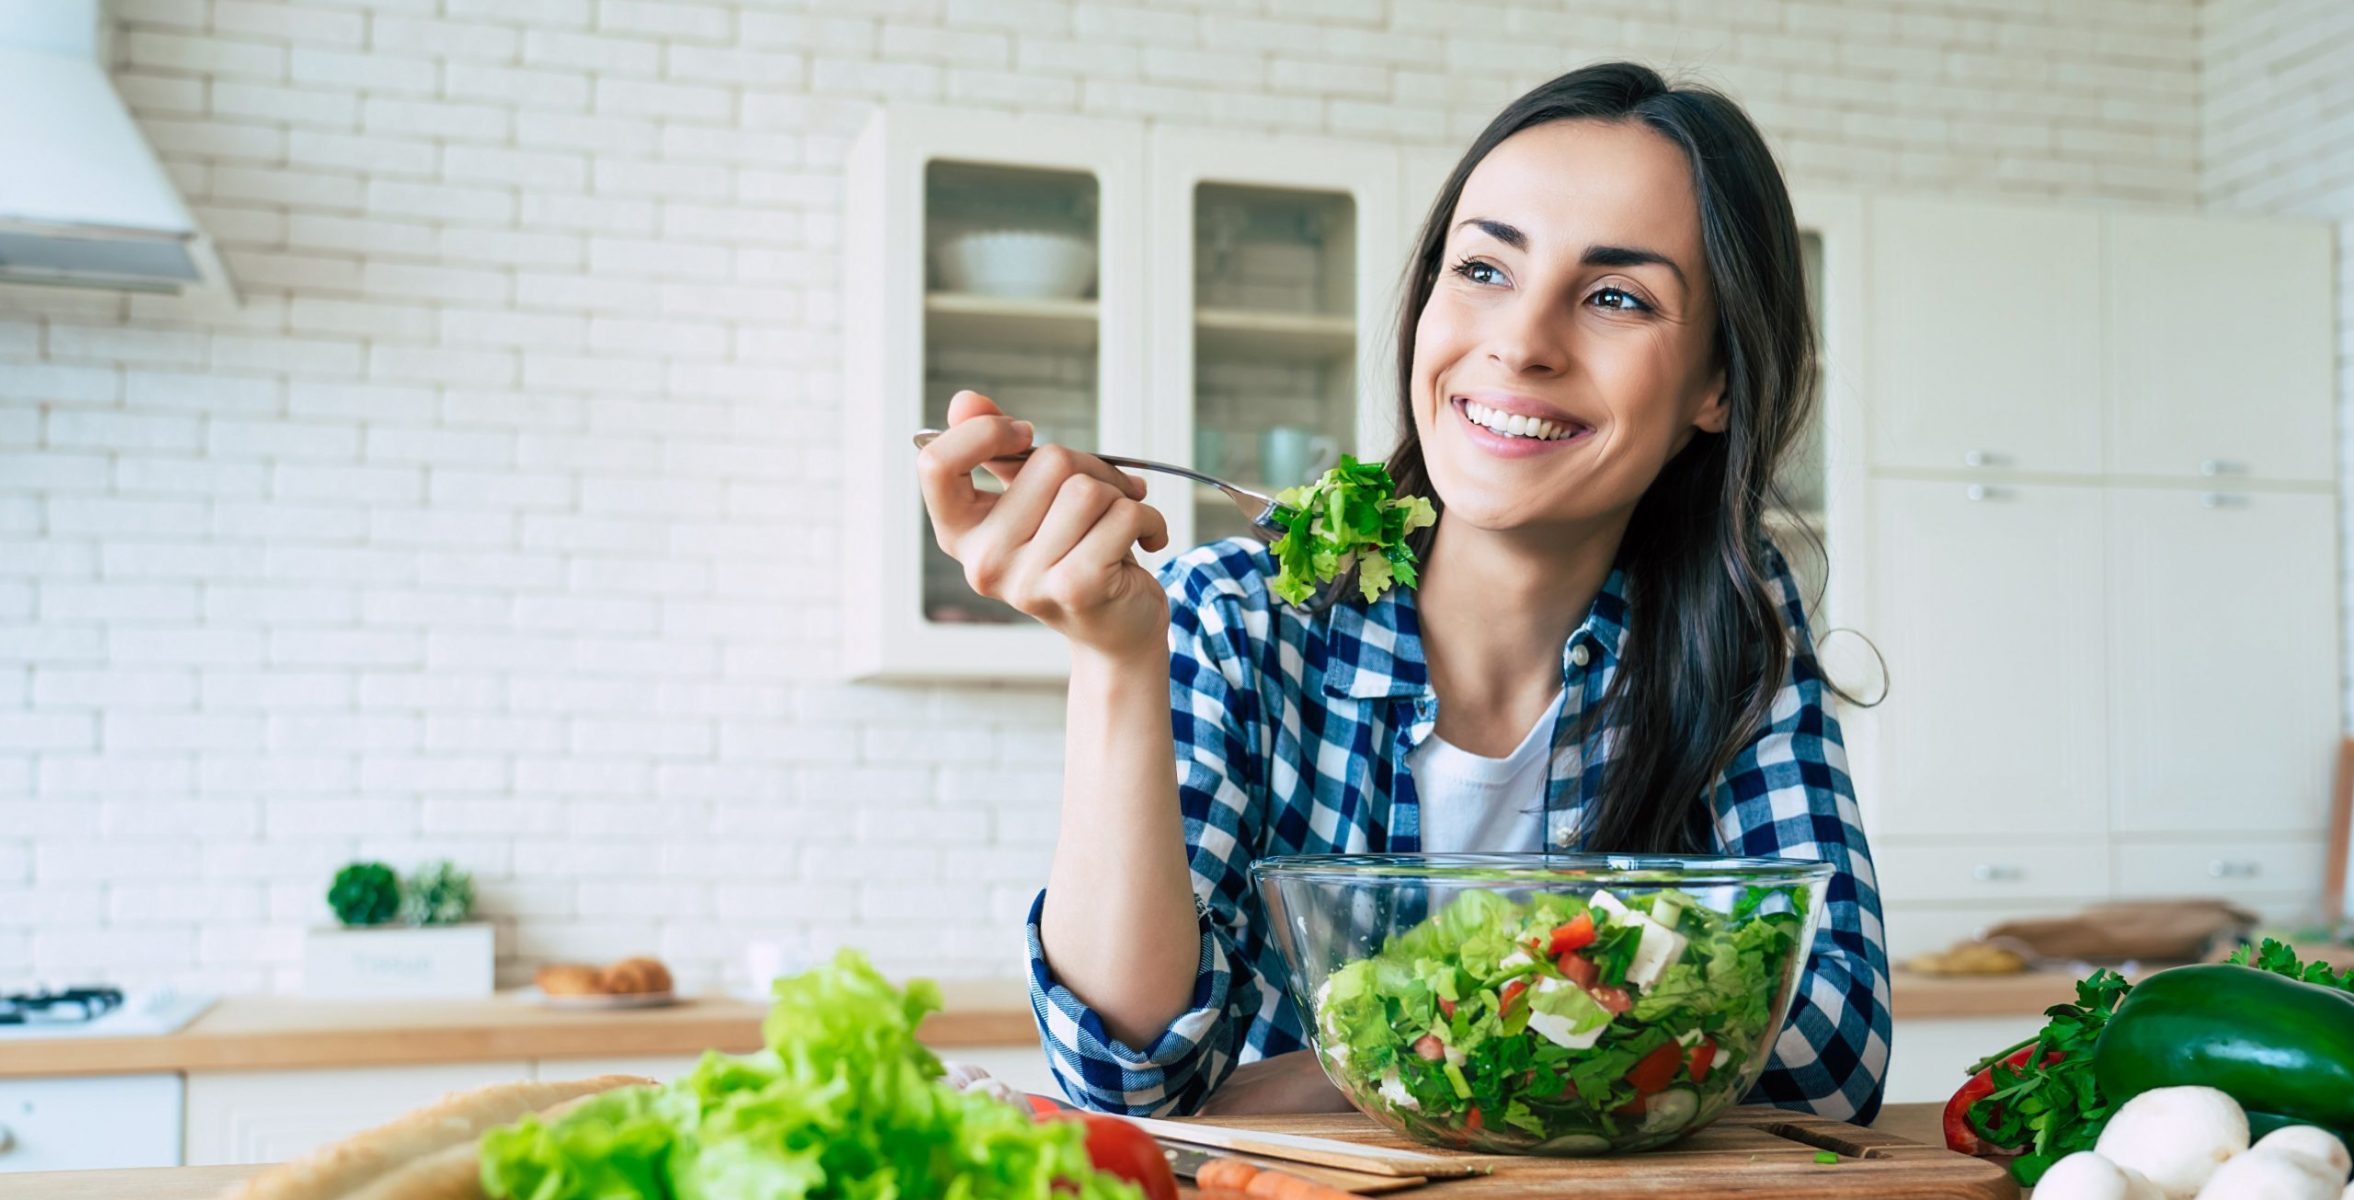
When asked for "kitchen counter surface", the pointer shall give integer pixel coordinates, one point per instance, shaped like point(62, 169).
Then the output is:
point(277, 1032)
point(1914, 1122)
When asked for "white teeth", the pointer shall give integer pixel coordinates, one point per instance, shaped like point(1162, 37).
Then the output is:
point(1514, 424)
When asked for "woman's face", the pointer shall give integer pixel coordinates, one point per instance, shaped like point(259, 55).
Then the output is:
point(1566, 351)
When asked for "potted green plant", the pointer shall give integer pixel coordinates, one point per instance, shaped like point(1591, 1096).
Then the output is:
point(413, 937)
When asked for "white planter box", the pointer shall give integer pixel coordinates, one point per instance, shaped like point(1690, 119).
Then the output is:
point(398, 961)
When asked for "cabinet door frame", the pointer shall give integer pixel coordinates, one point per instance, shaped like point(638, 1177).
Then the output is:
point(884, 247)
point(1180, 158)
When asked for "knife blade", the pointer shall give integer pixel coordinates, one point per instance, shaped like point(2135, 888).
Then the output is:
point(1187, 1162)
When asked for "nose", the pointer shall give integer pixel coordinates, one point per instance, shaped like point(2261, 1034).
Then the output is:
point(1528, 337)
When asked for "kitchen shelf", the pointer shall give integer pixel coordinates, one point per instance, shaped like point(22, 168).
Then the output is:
point(1234, 333)
point(996, 320)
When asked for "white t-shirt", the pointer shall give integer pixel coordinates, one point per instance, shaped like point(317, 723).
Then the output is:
point(1474, 803)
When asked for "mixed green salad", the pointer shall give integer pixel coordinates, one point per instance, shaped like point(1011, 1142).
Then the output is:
point(1352, 517)
point(1565, 1024)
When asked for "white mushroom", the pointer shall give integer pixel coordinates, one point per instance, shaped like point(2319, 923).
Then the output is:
point(2085, 1175)
point(2176, 1136)
point(2316, 1145)
point(2268, 1176)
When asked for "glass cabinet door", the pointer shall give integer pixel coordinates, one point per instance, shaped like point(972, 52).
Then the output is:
point(1275, 340)
point(1010, 310)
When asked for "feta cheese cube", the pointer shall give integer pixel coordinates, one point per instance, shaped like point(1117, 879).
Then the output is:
point(1605, 902)
point(1395, 1091)
point(1658, 950)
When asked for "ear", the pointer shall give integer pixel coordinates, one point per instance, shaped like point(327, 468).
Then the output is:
point(1714, 412)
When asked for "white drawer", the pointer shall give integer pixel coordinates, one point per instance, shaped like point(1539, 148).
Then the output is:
point(89, 1123)
point(272, 1116)
point(1975, 872)
point(2216, 867)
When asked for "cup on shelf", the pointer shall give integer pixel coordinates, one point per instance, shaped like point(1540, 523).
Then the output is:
point(1292, 455)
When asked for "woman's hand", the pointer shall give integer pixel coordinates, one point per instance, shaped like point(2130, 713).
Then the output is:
point(1056, 544)
point(1286, 1083)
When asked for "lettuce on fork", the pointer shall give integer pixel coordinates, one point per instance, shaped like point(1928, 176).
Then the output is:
point(1352, 517)
point(843, 1102)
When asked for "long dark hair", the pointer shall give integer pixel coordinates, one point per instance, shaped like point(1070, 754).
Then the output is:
point(1706, 646)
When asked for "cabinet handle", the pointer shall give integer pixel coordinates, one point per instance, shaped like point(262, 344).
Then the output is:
point(1979, 491)
point(2226, 869)
point(1996, 873)
point(2222, 500)
point(1983, 458)
point(2211, 467)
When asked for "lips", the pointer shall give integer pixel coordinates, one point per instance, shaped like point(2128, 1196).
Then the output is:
point(1516, 425)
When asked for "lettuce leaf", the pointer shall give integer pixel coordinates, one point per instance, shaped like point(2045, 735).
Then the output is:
point(843, 1103)
point(1352, 517)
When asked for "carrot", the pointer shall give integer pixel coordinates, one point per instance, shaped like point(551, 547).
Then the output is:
point(1275, 1185)
point(1225, 1173)
point(1220, 1194)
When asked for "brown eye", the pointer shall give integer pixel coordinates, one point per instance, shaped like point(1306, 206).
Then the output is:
point(1618, 298)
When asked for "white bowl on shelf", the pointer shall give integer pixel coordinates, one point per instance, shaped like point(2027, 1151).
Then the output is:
point(1027, 264)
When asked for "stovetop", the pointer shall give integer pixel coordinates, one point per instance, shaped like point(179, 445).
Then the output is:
point(95, 1011)
point(62, 1005)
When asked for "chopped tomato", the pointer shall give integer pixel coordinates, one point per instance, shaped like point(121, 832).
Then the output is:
point(1615, 1001)
point(1430, 1048)
point(1703, 1057)
point(1577, 933)
point(1635, 1107)
point(1121, 1148)
point(1471, 1120)
point(1447, 1007)
point(1511, 993)
point(1657, 1069)
point(1578, 969)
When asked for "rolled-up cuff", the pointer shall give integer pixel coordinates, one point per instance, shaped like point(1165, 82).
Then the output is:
point(1098, 1071)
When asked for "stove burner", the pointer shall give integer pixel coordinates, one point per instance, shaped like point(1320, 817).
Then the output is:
point(63, 1006)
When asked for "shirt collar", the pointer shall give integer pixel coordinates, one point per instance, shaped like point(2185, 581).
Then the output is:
point(1374, 651)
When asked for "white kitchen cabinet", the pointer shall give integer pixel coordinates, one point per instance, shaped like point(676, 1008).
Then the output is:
point(271, 1116)
point(661, 1068)
point(1271, 270)
point(1986, 335)
point(1276, 336)
point(2220, 346)
point(1929, 1057)
point(1987, 603)
point(1992, 870)
point(2223, 696)
point(89, 1122)
point(2278, 869)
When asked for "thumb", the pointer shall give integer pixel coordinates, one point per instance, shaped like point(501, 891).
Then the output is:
point(967, 404)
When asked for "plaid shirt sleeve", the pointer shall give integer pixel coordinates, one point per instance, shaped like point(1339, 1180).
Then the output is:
point(1787, 795)
point(1213, 707)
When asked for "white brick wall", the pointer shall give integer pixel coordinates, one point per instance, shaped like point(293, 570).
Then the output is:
point(499, 523)
point(2276, 134)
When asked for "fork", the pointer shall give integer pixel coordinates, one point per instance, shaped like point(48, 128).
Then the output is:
point(1257, 507)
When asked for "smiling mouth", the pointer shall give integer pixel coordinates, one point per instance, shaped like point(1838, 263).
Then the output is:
point(1514, 425)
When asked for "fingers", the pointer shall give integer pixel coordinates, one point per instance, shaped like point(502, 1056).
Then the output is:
point(945, 468)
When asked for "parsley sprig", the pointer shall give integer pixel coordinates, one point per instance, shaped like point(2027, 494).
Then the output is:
point(2281, 959)
point(2050, 1105)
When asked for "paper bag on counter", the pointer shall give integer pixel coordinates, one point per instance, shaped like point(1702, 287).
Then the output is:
point(2166, 930)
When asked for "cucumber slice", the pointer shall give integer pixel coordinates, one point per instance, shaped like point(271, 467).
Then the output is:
point(1671, 1110)
point(1575, 1144)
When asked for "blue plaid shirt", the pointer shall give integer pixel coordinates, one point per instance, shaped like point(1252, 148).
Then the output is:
point(1292, 734)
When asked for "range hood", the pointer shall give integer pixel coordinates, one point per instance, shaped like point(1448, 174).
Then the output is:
point(83, 202)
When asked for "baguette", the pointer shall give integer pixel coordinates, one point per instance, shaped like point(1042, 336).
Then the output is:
point(450, 1173)
point(334, 1170)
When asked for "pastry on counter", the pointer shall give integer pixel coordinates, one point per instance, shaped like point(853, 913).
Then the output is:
point(634, 976)
point(1971, 957)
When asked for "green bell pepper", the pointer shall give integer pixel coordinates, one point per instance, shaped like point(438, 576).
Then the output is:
point(2283, 1049)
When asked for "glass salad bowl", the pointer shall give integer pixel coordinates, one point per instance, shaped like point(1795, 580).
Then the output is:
point(1542, 1003)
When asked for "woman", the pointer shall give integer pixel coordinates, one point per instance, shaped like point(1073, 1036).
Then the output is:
point(1604, 351)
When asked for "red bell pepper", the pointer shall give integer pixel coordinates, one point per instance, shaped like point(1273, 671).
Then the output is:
point(1960, 1136)
point(1577, 933)
point(1657, 1069)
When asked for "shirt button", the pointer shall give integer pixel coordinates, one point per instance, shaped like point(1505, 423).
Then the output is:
point(1579, 655)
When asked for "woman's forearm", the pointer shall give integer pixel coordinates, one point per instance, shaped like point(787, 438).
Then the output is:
point(1118, 926)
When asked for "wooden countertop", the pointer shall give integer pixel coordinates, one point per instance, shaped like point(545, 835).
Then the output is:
point(1913, 1122)
point(1927, 997)
point(277, 1032)
point(269, 1032)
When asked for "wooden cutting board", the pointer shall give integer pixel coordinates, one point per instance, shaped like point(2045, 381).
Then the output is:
point(1751, 1152)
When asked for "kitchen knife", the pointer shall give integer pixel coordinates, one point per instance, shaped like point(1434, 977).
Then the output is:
point(1187, 1161)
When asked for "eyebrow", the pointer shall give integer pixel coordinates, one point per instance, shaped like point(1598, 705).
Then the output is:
point(1595, 256)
